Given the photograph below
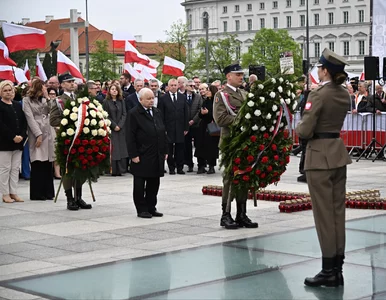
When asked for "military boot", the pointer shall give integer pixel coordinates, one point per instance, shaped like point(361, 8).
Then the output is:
point(81, 203)
point(226, 219)
point(241, 217)
point(71, 203)
point(326, 277)
point(339, 261)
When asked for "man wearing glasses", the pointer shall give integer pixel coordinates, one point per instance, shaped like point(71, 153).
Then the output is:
point(92, 89)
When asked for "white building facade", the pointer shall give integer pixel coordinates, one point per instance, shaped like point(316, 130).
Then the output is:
point(340, 25)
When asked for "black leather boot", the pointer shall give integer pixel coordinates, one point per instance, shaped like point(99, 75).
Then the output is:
point(326, 277)
point(227, 220)
point(71, 203)
point(211, 170)
point(241, 217)
point(339, 261)
point(81, 203)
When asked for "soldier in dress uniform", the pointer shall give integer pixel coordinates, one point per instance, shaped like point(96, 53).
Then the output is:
point(325, 164)
point(225, 108)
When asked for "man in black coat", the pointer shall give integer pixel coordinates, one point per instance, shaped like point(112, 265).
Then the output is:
point(175, 113)
point(148, 150)
point(127, 87)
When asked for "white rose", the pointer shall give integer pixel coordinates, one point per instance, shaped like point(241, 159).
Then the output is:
point(287, 82)
point(80, 100)
point(255, 127)
point(63, 134)
point(93, 122)
point(74, 116)
point(66, 112)
point(278, 113)
point(257, 113)
point(105, 114)
point(281, 101)
point(86, 114)
point(273, 80)
point(108, 130)
point(251, 103)
point(294, 106)
point(100, 115)
point(262, 99)
point(93, 114)
point(94, 132)
point(281, 79)
point(250, 95)
point(262, 128)
point(242, 128)
point(291, 85)
point(268, 116)
point(91, 105)
point(100, 108)
point(73, 103)
point(108, 122)
point(274, 122)
point(274, 108)
point(101, 132)
point(272, 95)
point(86, 130)
point(293, 96)
point(86, 122)
point(64, 122)
point(260, 86)
point(280, 89)
point(70, 131)
point(271, 129)
point(289, 93)
point(75, 109)
point(288, 101)
point(101, 123)
point(248, 116)
point(281, 124)
point(96, 102)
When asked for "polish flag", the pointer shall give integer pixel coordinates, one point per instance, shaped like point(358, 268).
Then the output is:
point(147, 76)
point(27, 72)
point(129, 69)
point(39, 69)
point(4, 56)
point(314, 75)
point(132, 55)
point(20, 37)
point(140, 67)
point(66, 65)
point(152, 63)
point(20, 76)
point(120, 38)
point(173, 67)
point(362, 76)
point(13, 74)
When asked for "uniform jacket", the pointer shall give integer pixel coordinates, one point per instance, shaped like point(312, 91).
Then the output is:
point(175, 116)
point(325, 112)
point(147, 139)
point(56, 114)
point(221, 115)
point(37, 113)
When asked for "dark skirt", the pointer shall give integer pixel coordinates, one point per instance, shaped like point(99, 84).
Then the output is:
point(42, 181)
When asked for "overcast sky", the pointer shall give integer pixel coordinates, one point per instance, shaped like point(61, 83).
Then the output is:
point(149, 18)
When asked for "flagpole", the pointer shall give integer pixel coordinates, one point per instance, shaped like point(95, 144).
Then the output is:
point(114, 57)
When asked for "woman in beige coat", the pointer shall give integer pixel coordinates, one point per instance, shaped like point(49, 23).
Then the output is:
point(41, 141)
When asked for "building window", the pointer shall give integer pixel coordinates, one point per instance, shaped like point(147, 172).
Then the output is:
point(289, 23)
point(237, 8)
point(302, 2)
point(120, 69)
point(225, 25)
point(346, 48)
point(361, 15)
point(262, 5)
point(317, 49)
point(345, 0)
point(330, 1)
point(224, 9)
point(190, 22)
point(249, 24)
point(275, 22)
point(361, 47)
point(345, 17)
point(288, 3)
point(302, 20)
point(316, 2)
point(274, 5)
point(316, 19)
point(262, 23)
point(238, 52)
point(237, 23)
point(249, 7)
point(330, 18)
point(331, 46)
point(190, 48)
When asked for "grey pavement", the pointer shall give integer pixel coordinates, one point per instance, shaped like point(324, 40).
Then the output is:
point(39, 237)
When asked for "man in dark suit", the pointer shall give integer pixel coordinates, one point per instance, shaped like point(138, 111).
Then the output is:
point(175, 113)
point(132, 100)
point(154, 86)
point(127, 87)
point(148, 150)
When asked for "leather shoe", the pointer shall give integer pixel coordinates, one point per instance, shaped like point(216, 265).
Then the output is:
point(156, 214)
point(201, 171)
point(172, 172)
point(190, 169)
point(180, 172)
point(302, 178)
point(145, 215)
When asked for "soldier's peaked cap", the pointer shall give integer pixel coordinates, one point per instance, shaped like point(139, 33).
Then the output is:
point(233, 68)
point(66, 77)
point(332, 61)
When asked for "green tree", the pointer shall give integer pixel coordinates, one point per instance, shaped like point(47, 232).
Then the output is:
point(178, 35)
point(102, 62)
point(266, 48)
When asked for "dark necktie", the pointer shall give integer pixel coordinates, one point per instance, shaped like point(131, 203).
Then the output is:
point(149, 112)
point(174, 98)
point(72, 96)
point(190, 99)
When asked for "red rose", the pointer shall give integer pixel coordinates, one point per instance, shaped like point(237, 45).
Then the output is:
point(103, 156)
point(84, 142)
point(77, 142)
point(235, 181)
point(81, 157)
point(274, 147)
point(269, 169)
point(275, 174)
point(261, 147)
point(264, 160)
point(282, 163)
point(99, 157)
point(285, 134)
point(84, 161)
point(246, 178)
point(237, 160)
point(262, 184)
point(73, 151)
point(105, 148)
point(257, 172)
point(89, 157)
point(248, 169)
point(266, 135)
point(290, 147)
point(89, 151)
point(67, 142)
point(246, 148)
point(81, 149)
point(276, 157)
point(235, 168)
point(106, 140)
point(253, 138)
point(95, 148)
point(284, 149)
point(99, 142)
point(92, 142)
point(287, 159)
point(262, 175)
point(65, 151)
point(250, 158)
point(92, 164)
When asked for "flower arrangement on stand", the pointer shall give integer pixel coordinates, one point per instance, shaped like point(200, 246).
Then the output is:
point(256, 152)
point(83, 142)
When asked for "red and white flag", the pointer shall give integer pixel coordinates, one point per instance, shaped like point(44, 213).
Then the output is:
point(39, 69)
point(134, 74)
point(173, 67)
point(314, 75)
point(120, 38)
point(27, 72)
point(362, 76)
point(20, 37)
point(13, 74)
point(4, 56)
point(132, 55)
point(66, 65)
point(147, 76)
point(140, 67)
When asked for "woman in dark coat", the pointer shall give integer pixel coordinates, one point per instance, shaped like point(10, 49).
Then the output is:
point(116, 109)
point(207, 146)
point(148, 148)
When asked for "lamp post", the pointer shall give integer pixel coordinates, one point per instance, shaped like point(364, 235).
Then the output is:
point(206, 26)
point(307, 45)
point(87, 46)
